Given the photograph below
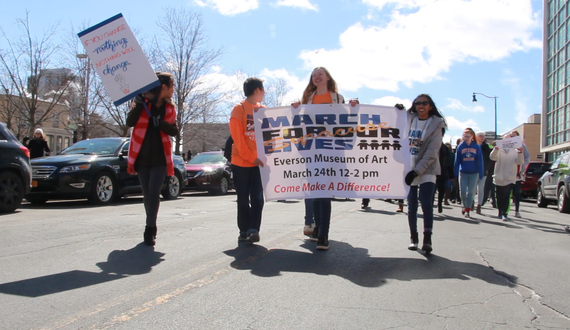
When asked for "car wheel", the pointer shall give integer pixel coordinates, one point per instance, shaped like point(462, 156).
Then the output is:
point(563, 200)
point(540, 200)
point(11, 192)
point(104, 190)
point(224, 186)
point(173, 188)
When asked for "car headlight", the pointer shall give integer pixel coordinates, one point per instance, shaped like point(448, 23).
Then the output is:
point(75, 168)
point(208, 170)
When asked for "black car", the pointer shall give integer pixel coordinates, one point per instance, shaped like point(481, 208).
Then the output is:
point(554, 185)
point(95, 169)
point(15, 170)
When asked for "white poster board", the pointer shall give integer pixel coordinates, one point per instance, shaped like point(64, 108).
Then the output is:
point(118, 59)
point(333, 150)
point(510, 143)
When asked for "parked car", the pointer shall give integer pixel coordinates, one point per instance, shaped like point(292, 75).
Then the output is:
point(95, 169)
point(533, 172)
point(553, 185)
point(15, 170)
point(209, 171)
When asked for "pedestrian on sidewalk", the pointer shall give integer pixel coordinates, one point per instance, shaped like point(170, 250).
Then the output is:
point(245, 161)
point(38, 144)
point(427, 126)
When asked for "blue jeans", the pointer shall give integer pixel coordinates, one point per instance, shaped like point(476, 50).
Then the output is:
point(426, 191)
point(322, 208)
point(151, 179)
point(309, 213)
point(249, 190)
point(481, 191)
point(468, 183)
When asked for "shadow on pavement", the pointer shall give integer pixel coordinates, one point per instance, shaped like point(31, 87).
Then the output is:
point(356, 265)
point(120, 263)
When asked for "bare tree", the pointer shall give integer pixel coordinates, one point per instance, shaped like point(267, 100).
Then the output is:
point(23, 75)
point(80, 97)
point(183, 51)
point(275, 92)
point(113, 118)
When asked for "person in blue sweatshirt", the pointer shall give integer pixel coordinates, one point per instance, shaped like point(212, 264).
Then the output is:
point(469, 169)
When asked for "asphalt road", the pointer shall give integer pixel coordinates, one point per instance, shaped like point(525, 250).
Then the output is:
point(70, 265)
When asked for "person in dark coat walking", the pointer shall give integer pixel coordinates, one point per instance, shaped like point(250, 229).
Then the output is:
point(38, 145)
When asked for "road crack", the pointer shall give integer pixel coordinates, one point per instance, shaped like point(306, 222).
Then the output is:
point(531, 298)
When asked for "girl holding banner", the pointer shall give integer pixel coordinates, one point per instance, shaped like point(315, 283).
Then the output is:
point(153, 117)
point(427, 126)
point(322, 89)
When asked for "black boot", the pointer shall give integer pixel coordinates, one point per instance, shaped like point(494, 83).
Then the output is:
point(149, 235)
point(426, 247)
point(414, 241)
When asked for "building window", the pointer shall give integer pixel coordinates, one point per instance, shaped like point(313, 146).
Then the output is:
point(50, 141)
point(59, 144)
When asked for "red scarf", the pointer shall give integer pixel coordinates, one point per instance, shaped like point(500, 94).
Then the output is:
point(137, 137)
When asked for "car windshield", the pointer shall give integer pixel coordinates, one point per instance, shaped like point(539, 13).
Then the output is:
point(93, 147)
point(208, 159)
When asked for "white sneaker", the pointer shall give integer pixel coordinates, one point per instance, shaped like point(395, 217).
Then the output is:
point(467, 215)
point(308, 229)
point(413, 246)
point(517, 215)
point(504, 217)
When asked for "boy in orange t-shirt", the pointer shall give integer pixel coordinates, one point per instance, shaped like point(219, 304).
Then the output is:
point(245, 163)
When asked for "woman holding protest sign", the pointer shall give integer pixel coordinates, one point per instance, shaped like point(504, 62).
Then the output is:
point(427, 126)
point(322, 89)
point(507, 161)
point(153, 117)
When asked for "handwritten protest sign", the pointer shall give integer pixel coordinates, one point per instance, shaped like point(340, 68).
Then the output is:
point(333, 150)
point(118, 59)
point(510, 143)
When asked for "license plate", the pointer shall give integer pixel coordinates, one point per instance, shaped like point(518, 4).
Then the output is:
point(34, 183)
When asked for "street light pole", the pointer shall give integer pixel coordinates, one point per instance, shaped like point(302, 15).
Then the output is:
point(495, 99)
point(85, 119)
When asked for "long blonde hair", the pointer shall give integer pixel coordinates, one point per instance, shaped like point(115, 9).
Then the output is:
point(311, 88)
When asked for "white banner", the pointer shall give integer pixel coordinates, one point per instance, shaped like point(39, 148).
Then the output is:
point(118, 59)
point(510, 143)
point(333, 150)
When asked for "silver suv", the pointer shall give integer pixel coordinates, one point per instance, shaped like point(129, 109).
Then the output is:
point(554, 185)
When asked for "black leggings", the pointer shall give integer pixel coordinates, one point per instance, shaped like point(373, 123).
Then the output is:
point(504, 198)
point(151, 179)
